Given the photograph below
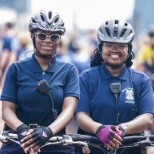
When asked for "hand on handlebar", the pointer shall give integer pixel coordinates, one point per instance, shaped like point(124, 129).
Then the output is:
point(41, 135)
point(22, 131)
point(108, 135)
point(38, 137)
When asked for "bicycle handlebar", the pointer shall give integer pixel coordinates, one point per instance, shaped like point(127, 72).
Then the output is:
point(86, 140)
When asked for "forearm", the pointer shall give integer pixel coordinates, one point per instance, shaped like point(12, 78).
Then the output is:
point(62, 120)
point(139, 124)
point(65, 116)
point(86, 123)
point(11, 120)
point(9, 116)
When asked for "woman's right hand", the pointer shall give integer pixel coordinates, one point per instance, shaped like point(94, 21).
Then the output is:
point(108, 135)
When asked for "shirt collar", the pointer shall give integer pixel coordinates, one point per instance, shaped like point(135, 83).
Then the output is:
point(107, 75)
point(36, 66)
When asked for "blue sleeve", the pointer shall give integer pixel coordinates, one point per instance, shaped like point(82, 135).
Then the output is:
point(72, 83)
point(146, 100)
point(9, 92)
point(83, 104)
point(6, 43)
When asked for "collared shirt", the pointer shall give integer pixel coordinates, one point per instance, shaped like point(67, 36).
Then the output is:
point(96, 98)
point(34, 106)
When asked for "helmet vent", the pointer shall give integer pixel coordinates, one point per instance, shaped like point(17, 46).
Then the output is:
point(62, 24)
point(50, 15)
point(42, 18)
point(116, 22)
point(107, 31)
point(106, 23)
point(33, 20)
point(123, 32)
point(57, 20)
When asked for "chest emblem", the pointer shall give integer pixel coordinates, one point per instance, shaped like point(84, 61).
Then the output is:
point(129, 95)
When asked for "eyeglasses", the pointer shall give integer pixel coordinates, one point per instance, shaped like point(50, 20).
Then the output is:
point(53, 37)
point(110, 46)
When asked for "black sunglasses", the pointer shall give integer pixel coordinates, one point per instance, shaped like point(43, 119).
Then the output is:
point(53, 37)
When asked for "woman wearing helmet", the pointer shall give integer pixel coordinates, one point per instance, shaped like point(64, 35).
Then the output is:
point(115, 100)
point(40, 90)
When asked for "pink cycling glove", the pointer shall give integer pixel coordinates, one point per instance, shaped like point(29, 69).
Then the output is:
point(106, 133)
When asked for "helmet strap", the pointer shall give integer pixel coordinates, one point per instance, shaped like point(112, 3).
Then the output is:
point(43, 56)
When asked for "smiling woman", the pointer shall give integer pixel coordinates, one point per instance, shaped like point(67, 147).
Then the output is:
point(115, 100)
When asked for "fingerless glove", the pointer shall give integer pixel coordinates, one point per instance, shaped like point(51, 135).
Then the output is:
point(106, 133)
point(21, 131)
point(42, 135)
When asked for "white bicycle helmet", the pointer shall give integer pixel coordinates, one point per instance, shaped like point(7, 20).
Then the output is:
point(47, 20)
point(115, 31)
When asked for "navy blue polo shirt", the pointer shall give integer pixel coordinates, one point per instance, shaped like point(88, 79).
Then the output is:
point(33, 106)
point(97, 99)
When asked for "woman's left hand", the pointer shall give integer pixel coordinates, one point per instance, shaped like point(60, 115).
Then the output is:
point(37, 138)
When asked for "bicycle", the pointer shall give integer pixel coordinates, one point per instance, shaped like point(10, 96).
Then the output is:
point(86, 140)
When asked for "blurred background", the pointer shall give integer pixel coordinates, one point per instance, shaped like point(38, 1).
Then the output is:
point(82, 18)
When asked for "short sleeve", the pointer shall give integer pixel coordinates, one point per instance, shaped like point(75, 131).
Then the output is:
point(146, 100)
point(9, 91)
point(83, 104)
point(71, 87)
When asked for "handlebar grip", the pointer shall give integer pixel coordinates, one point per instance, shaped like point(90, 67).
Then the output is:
point(3, 137)
point(79, 137)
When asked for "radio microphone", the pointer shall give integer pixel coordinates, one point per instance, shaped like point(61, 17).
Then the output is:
point(116, 89)
point(43, 86)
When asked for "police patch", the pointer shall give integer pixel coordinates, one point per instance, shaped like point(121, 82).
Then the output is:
point(129, 95)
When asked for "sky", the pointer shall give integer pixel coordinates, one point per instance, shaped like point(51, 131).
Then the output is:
point(86, 14)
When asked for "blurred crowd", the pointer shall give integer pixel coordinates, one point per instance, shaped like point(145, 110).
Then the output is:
point(75, 47)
